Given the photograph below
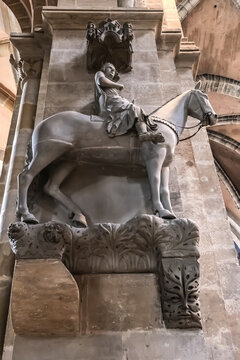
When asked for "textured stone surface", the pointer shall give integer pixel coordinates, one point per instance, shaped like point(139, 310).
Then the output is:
point(102, 347)
point(131, 345)
point(45, 298)
point(124, 301)
point(165, 346)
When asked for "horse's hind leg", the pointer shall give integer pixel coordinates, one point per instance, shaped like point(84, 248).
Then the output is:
point(52, 187)
point(43, 154)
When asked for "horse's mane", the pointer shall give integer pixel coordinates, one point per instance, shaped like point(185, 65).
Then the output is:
point(163, 105)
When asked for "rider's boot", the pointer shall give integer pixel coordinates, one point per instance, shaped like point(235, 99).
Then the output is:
point(145, 135)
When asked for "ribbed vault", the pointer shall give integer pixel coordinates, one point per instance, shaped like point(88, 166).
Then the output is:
point(228, 184)
point(185, 7)
point(28, 12)
point(220, 84)
point(22, 11)
point(6, 93)
point(227, 153)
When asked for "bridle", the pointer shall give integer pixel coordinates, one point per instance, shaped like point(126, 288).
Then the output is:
point(200, 124)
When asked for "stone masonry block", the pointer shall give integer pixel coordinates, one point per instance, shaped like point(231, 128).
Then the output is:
point(45, 299)
point(141, 72)
point(70, 72)
point(68, 56)
point(79, 93)
point(117, 302)
point(230, 279)
point(146, 57)
point(101, 347)
point(70, 39)
point(159, 345)
point(144, 40)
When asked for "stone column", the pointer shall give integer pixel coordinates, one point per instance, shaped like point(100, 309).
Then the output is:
point(31, 63)
point(8, 149)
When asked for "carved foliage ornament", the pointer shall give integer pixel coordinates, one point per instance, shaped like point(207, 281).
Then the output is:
point(109, 42)
point(27, 69)
point(144, 244)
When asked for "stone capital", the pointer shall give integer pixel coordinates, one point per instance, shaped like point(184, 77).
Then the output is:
point(29, 46)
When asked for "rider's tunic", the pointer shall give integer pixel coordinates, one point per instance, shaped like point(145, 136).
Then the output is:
point(120, 113)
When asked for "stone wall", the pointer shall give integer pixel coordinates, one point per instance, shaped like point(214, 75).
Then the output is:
point(196, 194)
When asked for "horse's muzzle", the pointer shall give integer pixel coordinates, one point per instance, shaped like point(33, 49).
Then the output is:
point(211, 118)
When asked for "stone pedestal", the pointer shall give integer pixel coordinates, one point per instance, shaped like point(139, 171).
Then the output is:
point(145, 244)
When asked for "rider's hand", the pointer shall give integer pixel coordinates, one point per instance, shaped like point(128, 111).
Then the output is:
point(120, 87)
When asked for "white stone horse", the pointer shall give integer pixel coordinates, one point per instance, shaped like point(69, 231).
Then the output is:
point(68, 133)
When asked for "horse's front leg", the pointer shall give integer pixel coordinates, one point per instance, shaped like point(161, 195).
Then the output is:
point(154, 157)
point(165, 193)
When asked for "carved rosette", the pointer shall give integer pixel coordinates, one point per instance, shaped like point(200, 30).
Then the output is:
point(144, 244)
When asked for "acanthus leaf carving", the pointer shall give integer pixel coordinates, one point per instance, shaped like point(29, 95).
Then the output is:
point(180, 292)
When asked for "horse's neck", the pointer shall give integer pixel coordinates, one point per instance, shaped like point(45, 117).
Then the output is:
point(175, 111)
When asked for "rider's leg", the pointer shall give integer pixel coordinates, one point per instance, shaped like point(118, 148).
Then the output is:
point(145, 135)
point(52, 188)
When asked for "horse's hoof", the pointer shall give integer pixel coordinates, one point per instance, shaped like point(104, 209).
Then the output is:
point(164, 214)
point(79, 220)
point(169, 216)
point(29, 219)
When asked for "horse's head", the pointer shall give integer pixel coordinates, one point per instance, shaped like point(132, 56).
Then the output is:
point(199, 107)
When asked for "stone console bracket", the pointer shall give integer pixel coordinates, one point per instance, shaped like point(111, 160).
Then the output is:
point(145, 244)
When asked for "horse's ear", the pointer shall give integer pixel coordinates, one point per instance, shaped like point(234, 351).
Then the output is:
point(198, 85)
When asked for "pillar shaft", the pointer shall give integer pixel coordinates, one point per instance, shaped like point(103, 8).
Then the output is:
point(24, 126)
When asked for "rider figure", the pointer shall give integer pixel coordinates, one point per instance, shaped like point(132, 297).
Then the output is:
point(121, 115)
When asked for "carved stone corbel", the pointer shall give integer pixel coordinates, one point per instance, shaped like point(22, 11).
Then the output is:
point(27, 69)
point(145, 244)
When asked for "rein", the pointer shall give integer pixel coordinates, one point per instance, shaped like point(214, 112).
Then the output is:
point(169, 124)
point(173, 127)
point(189, 137)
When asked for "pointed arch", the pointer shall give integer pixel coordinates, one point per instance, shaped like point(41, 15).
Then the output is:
point(185, 7)
point(219, 84)
point(22, 13)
